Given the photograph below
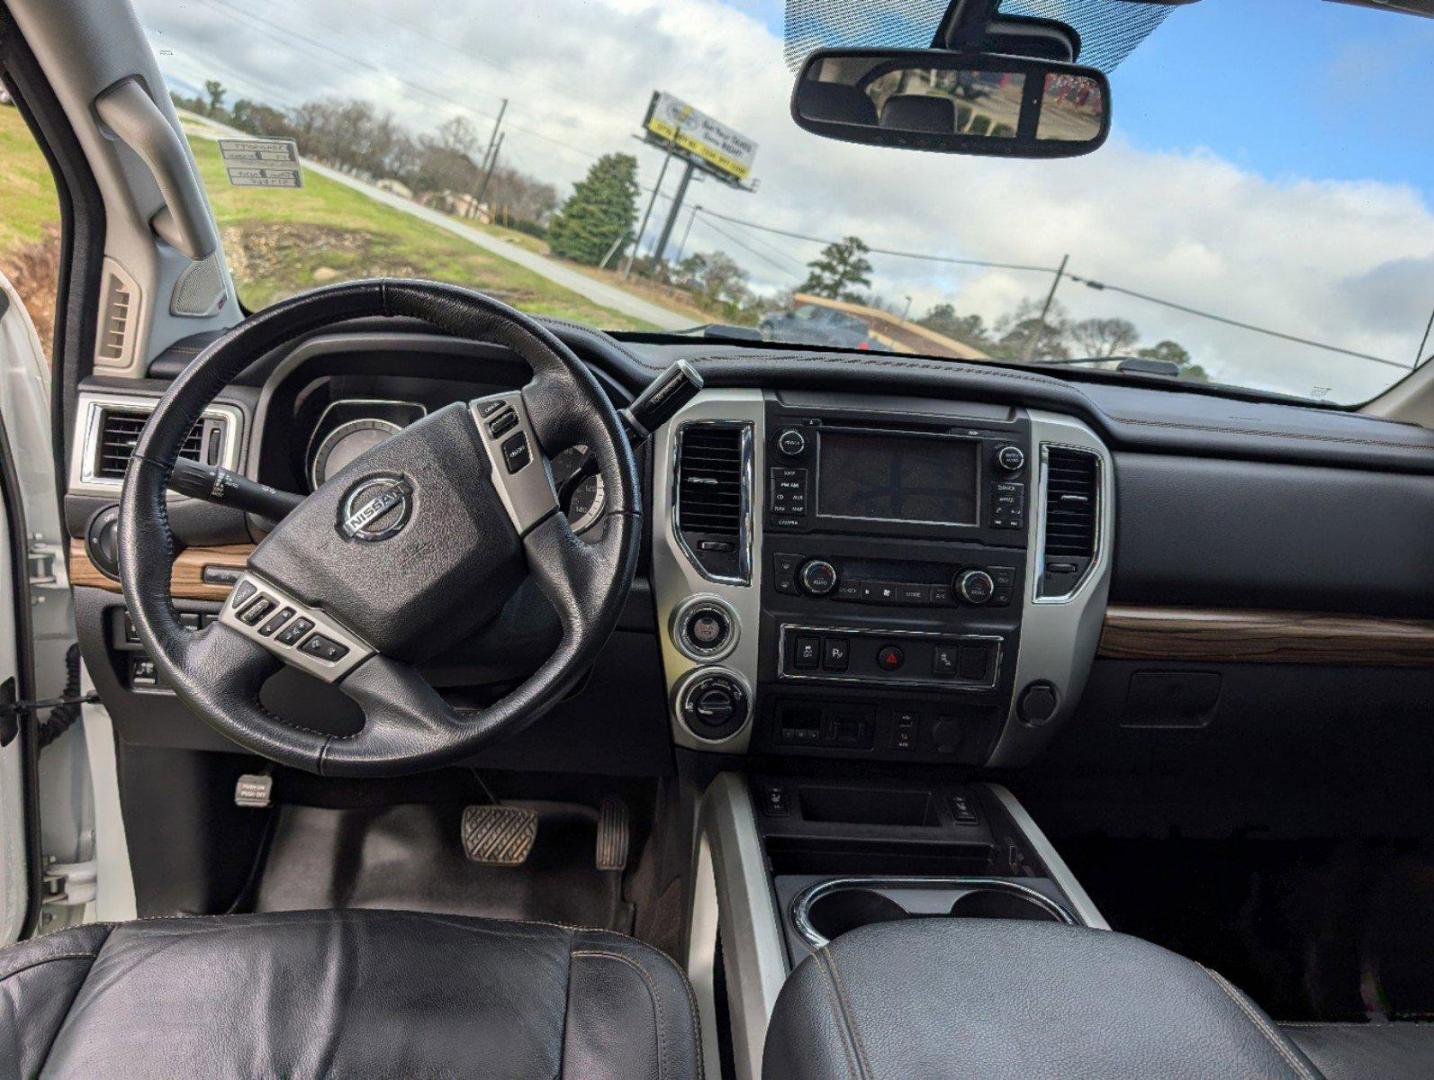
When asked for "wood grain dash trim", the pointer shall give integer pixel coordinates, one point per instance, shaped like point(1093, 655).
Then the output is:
point(1265, 637)
point(187, 579)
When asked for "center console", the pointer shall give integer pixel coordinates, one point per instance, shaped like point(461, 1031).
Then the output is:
point(888, 579)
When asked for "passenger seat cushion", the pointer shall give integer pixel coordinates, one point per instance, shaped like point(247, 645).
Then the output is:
point(1011, 1000)
point(1400, 1051)
point(344, 994)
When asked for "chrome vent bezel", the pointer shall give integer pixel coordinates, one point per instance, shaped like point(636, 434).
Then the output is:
point(1098, 538)
point(745, 469)
point(86, 477)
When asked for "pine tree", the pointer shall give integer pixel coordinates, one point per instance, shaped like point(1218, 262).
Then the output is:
point(839, 268)
point(600, 211)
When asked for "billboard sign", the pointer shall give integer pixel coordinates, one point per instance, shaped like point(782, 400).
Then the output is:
point(726, 153)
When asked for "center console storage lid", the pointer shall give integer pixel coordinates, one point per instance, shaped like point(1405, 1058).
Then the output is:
point(994, 1000)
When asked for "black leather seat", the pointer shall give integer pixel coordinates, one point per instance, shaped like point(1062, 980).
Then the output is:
point(1011, 1000)
point(343, 994)
point(1400, 1051)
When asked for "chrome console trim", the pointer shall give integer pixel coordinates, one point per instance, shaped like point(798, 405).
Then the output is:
point(676, 576)
point(1059, 635)
point(803, 901)
point(1060, 873)
point(732, 896)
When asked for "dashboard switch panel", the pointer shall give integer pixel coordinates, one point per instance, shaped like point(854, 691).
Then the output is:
point(886, 657)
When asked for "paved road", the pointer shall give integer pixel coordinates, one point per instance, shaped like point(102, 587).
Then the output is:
point(559, 273)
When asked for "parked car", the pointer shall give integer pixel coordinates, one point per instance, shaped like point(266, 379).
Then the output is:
point(812, 324)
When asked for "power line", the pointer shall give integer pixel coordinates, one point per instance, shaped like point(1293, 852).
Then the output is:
point(1199, 313)
point(884, 251)
point(288, 35)
point(1236, 322)
point(751, 250)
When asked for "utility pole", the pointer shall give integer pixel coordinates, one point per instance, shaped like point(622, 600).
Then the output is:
point(661, 175)
point(685, 233)
point(493, 138)
point(492, 163)
point(907, 312)
point(1046, 309)
point(672, 216)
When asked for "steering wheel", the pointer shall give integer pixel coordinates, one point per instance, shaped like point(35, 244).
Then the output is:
point(407, 549)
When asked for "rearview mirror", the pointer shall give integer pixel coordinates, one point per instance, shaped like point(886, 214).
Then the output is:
point(954, 103)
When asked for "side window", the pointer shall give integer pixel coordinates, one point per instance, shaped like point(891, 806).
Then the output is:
point(29, 223)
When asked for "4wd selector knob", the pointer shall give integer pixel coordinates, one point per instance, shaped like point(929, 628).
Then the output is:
point(818, 577)
point(714, 704)
point(974, 586)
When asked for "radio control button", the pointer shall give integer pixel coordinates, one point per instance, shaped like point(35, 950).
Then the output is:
point(818, 577)
point(791, 442)
point(1011, 458)
point(975, 586)
point(890, 658)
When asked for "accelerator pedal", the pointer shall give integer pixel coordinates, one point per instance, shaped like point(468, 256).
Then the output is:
point(612, 834)
point(499, 835)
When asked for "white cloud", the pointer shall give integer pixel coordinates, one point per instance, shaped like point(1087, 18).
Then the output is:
point(1344, 262)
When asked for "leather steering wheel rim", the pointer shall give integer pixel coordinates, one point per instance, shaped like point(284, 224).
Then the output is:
point(219, 670)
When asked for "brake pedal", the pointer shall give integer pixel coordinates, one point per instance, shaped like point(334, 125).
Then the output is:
point(499, 835)
point(612, 834)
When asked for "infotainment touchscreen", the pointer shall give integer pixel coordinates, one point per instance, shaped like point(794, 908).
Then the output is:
point(885, 477)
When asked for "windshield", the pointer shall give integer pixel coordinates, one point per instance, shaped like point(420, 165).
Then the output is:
point(1260, 216)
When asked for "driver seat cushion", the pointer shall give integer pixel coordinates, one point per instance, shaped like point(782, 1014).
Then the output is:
point(344, 994)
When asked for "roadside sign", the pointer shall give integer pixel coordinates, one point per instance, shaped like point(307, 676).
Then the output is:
point(261, 162)
point(725, 153)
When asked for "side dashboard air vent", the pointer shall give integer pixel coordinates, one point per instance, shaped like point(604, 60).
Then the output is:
point(119, 432)
point(713, 477)
point(1071, 533)
point(119, 303)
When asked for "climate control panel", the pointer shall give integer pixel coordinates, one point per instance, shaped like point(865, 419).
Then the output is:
point(905, 584)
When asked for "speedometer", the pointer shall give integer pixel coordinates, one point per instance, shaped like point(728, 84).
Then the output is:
point(345, 443)
point(586, 505)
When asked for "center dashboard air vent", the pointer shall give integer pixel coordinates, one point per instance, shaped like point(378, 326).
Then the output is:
point(713, 498)
point(1070, 528)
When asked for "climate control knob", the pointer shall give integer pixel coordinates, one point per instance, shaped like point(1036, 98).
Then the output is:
point(818, 577)
point(974, 586)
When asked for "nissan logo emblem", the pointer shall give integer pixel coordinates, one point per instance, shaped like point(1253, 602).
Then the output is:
point(376, 508)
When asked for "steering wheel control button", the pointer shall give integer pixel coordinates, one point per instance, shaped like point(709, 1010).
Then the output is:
point(296, 629)
point(890, 658)
point(242, 592)
point(285, 614)
point(792, 442)
point(806, 653)
point(321, 648)
point(515, 453)
point(502, 423)
point(1011, 458)
point(257, 610)
point(975, 586)
point(488, 408)
point(836, 654)
point(818, 577)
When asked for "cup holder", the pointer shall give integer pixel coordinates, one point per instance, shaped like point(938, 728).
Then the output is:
point(828, 909)
point(834, 913)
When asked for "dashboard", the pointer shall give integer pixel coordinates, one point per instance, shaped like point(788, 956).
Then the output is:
point(886, 560)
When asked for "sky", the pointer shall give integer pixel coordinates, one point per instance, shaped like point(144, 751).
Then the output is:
point(1270, 160)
